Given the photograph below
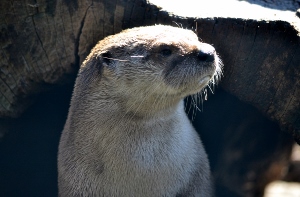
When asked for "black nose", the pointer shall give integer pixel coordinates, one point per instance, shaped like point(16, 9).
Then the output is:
point(206, 53)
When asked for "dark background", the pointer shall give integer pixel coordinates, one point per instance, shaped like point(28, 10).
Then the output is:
point(28, 151)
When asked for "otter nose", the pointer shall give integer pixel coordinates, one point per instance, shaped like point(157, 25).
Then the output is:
point(206, 53)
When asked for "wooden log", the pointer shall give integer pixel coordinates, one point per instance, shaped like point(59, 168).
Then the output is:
point(44, 42)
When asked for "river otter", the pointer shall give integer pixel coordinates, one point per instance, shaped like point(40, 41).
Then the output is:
point(127, 133)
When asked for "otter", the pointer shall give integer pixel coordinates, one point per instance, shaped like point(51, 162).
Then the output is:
point(127, 133)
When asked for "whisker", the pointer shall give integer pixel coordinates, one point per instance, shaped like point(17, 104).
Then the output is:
point(210, 88)
point(120, 60)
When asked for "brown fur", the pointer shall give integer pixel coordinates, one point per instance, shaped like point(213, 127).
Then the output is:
point(127, 133)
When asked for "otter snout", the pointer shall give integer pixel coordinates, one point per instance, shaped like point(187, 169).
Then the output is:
point(206, 53)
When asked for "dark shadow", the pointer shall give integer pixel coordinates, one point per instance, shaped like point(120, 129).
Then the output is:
point(28, 151)
point(243, 146)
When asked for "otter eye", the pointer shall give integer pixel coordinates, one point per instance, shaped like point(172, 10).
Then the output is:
point(166, 52)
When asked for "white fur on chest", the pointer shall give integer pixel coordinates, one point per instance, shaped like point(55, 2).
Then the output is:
point(132, 159)
point(150, 160)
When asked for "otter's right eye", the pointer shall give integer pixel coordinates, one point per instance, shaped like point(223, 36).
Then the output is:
point(166, 52)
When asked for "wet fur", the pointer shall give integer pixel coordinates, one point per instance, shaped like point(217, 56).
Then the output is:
point(127, 133)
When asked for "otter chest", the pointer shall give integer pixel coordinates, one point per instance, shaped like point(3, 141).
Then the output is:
point(151, 165)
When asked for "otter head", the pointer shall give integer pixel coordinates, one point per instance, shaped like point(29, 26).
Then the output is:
point(149, 69)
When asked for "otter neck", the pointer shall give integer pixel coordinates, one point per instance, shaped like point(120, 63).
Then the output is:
point(150, 107)
point(130, 106)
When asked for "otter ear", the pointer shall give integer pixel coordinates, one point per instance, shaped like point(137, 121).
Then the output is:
point(106, 57)
point(95, 66)
point(92, 70)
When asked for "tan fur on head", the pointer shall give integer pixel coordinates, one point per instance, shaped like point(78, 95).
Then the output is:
point(126, 132)
point(122, 57)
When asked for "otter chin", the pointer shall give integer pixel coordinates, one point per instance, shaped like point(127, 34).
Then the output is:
point(127, 133)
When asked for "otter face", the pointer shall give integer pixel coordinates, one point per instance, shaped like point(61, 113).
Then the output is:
point(157, 61)
point(187, 66)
